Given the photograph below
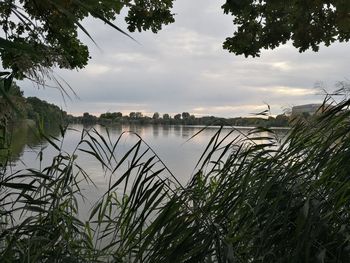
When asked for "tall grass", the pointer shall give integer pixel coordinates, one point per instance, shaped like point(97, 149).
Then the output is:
point(250, 200)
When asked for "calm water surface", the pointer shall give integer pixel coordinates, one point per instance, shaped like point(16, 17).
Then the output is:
point(170, 143)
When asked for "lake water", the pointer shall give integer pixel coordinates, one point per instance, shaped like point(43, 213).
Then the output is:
point(170, 143)
point(173, 145)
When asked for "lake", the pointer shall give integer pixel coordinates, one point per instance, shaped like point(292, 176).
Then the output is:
point(173, 145)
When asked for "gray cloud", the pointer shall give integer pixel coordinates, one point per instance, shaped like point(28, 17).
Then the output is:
point(184, 68)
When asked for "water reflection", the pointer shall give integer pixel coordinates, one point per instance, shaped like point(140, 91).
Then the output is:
point(24, 135)
point(177, 130)
point(169, 142)
point(166, 130)
point(156, 130)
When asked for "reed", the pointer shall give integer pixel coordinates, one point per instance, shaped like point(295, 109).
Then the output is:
point(248, 201)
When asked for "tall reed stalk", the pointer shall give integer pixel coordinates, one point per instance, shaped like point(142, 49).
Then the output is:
point(248, 201)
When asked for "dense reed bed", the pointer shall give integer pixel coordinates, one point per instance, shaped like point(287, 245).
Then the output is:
point(249, 200)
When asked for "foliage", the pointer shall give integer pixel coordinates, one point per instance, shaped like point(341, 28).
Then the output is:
point(14, 107)
point(177, 116)
point(250, 200)
point(44, 112)
point(267, 24)
point(166, 116)
point(145, 14)
point(155, 116)
point(12, 103)
point(111, 115)
point(185, 115)
point(42, 34)
point(39, 35)
point(88, 118)
point(22, 134)
point(182, 119)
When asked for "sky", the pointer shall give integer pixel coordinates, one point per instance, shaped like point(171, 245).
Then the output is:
point(184, 68)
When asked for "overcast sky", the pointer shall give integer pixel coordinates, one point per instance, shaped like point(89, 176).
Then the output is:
point(184, 68)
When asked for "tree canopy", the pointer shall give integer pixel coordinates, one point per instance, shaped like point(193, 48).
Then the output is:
point(268, 24)
point(38, 35)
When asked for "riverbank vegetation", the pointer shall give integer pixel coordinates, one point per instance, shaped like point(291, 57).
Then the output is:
point(184, 118)
point(48, 114)
point(248, 201)
point(15, 107)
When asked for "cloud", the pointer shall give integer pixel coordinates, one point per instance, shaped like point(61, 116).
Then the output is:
point(99, 69)
point(229, 110)
point(288, 91)
point(184, 68)
point(284, 66)
point(132, 57)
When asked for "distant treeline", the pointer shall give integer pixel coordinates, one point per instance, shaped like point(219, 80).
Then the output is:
point(184, 118)
point(49, 114)
point(15, 107)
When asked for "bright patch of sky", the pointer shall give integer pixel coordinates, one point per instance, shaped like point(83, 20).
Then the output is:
point(184, 68)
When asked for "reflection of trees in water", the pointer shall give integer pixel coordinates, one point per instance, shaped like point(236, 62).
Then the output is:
point(178, 130)
point(136, 128)
point(155, 131)
point(115, 129)
point(166, 130)
point(188, 131)
point(22, 134)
